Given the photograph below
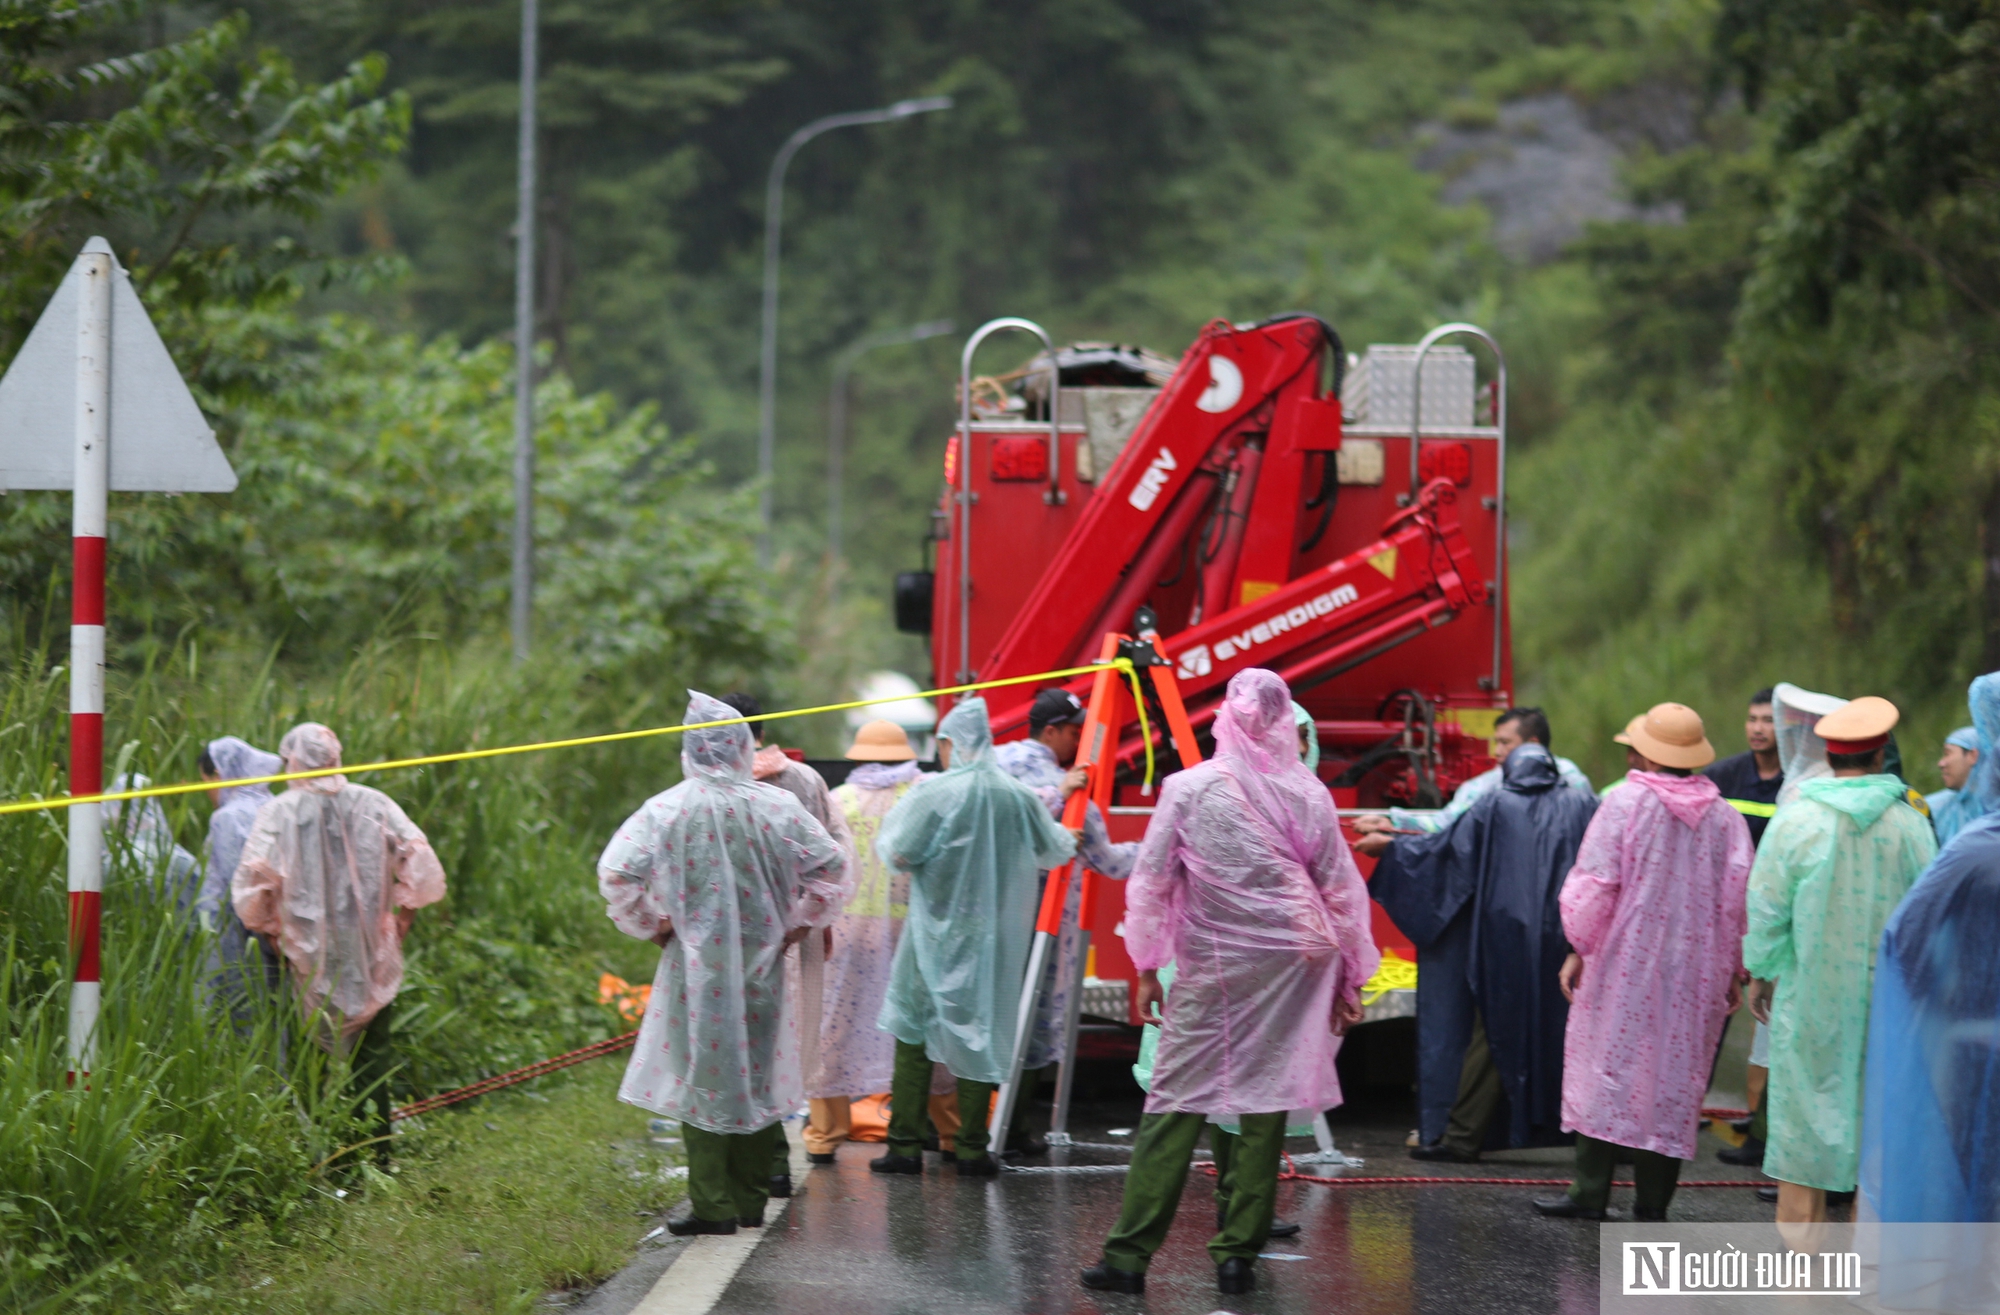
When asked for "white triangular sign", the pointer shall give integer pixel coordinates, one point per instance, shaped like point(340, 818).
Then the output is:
point(159, 441)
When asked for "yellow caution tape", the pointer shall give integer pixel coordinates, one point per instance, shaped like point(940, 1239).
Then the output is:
point(466, 755)
point(1395, 974)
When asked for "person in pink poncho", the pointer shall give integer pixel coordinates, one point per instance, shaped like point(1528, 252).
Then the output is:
point(1654, 913)
point(1245, 882)
point(333, 872)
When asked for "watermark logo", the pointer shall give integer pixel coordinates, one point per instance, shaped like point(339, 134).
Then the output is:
point(1668, 1269)
point(1194, 663)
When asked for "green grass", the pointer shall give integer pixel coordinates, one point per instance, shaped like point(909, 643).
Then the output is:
point(492, 1206)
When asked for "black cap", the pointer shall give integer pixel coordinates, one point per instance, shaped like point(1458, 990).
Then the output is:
point(1054, 707)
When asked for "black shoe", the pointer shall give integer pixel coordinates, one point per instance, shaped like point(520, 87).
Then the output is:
point(690, 1226)
point(1749, 1154)
point(781, 1185)
point(1104, 1278)
point(1741, 1125)
point(1235, 1276)
point(1437, 1150)
point(749, 1221)
point(894, 1163)
point(1033, 1146)
point(1564, 1207)
point(1768, 1194)
point(1648, 1216)
point(819, 1157)
point(983, 1167)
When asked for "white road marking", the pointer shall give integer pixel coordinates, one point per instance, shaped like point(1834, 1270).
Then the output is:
point(697, 1280)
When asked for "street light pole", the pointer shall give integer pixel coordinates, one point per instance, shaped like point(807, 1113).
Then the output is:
point(524, 347)
point(767, 362)
point(836, 412)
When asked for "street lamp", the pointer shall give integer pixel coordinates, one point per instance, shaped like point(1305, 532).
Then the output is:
point(767, 365)
point(836, 411)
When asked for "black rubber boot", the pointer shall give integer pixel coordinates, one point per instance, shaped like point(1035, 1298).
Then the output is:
point(1103, 1278)
point(983, 1167)
point(781, 1184)
point(1564, 1207)
point(1235, 1276)
point(893, 1163)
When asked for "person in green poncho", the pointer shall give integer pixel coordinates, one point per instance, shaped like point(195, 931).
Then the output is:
point(1831, 869)
point(975, 842)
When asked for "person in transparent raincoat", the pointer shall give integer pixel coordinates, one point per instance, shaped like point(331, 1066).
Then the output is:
point(236, 809)
point(974, 842)
point(333, 872)
point(1831, 869)
point(1245, 883)
point(725, 874)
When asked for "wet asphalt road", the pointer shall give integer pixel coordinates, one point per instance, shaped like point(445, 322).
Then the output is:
point(855, 1242)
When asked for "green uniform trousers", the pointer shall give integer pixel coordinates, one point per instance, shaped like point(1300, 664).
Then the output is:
point(1654, 1175)
point(1479, 1095)
point(909, 1103)
point(729, 1173)
point(1759, 1118)
point(1246, 1172)
point(371, 1063)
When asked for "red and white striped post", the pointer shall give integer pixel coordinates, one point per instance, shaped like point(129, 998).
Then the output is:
point(86, 651)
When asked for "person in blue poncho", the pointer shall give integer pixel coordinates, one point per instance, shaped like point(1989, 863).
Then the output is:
point(1957, 804)
point(975, 842)
point(1930, 1138)
point(1478, 900)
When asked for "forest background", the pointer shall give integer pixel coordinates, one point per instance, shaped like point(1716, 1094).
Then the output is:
point(1742, 254)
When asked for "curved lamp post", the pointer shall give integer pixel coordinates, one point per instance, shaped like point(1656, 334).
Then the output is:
point(767, 365)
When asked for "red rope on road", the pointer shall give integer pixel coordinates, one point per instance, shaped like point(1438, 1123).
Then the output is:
point(498, 1081)
point(1292, 1175)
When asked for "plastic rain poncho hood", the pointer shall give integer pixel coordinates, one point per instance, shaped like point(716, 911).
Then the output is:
point(1245, 883)
point(1801, 752)
point(974, 842)
point(139, 842)
point(1303, 721)
point(331, 871)
point(1655, 907)
point(734, 865)
point(1832, 868)
point(1478, 900)
point(229, 825)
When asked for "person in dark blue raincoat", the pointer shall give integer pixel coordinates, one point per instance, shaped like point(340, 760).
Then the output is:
point(1478, 900)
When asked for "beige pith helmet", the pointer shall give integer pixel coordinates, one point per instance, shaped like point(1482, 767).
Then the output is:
point(1860, 726)
point(1624, 737)
point(880, 742)
point(1671, 735)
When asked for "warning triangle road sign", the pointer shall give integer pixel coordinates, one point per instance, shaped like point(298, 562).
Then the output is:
point(159, 441)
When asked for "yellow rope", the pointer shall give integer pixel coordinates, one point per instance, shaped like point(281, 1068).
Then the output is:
point(191, 787)
point(1145, 731)
point(1395, 974)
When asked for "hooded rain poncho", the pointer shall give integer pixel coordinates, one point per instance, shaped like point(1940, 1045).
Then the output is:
point(229, 829)
point(735, 865)
point(1655, 907)
point(1930, 1148)
point(1245, 883)
point(975, 843)
point(1952, 810)
point(1832, 868)
point(140, 841)
point(1478, 900)
point(858, 1058)
point(331, 871)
